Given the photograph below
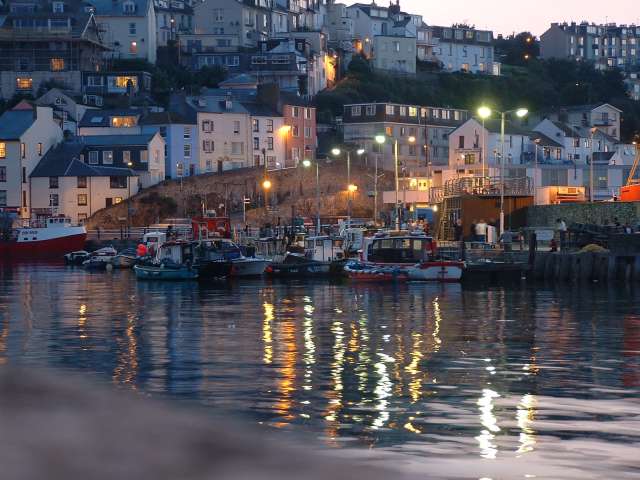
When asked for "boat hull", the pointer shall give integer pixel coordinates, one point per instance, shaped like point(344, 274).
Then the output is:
point(298, 269)
point(123, 261)
point(165, 274)
point(248, 267)
point(437, 272)
point(213, 269)
point(39, 249)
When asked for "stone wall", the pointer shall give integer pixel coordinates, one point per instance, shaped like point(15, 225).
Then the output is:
point(594, 213)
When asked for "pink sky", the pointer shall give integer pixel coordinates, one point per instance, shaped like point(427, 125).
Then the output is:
point(506, 16)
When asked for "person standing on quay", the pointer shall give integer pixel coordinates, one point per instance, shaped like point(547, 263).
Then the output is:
point(481, 231)
point(457, 230)
point(562, 229)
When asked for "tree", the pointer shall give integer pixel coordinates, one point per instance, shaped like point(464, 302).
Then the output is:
point(518, 49)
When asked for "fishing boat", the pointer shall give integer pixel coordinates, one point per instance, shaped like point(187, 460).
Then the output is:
point(322, 255)
point(76, 258)
point(51, 238)
point(165, 272)
point(225, 251)
point(174, 260)
point(100, 259)
point(125, 259)
point(402, 256)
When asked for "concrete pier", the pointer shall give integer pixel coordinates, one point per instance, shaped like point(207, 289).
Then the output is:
point(585, 267)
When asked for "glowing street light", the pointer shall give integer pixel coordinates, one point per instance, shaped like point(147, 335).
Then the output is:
point(306, 163)
point(380, 139)
point(352, 188)
point(266, 184)
point(484, 112)
point(335, 152)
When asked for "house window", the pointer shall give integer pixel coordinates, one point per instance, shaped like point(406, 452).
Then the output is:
point(57, 64)
point(269, 126)
point(187, 150)
point(107, 157)
point(307, 132)
point(237, 148)
point(207, 126)
point(82, 217)
point(296, 112)
point(82, 182)
point(307, 113)
point(126, 157)
point(144, 156)
point(295, 131)
point(3, 150)
point(208, 146)
point(82, 200)
point(125, 81)
point(93, 158)
point(371, 110)
point(255, 123)
point(269, 143)
point(117, 200)
point(3, 198)
point(24, 174)
point(53, 200)
point(53, 182)
point(390, 110)
point(3, 174)
point(413, 112)
point(123, 122)
point(23, 150)
point(403, 111)
point(132, 29)
point(256, 143)
point(118, 182)
point(461, 141)
point(356, 111)
point(40, 149)
point(236, 127)
point(133, 48)
point(186, 133)
point(58, 7)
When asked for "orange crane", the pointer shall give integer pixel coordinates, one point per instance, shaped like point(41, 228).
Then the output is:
point(631, 191)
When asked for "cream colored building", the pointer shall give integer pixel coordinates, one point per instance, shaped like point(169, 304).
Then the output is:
point(26, 135)
point(394, 54)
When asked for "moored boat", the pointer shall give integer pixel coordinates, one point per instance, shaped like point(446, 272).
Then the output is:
point(52, 238)
point(76, 258)
point(323, 256)
point(165, 272)
point(125, 259)
point(100, 259)
point(402, 256)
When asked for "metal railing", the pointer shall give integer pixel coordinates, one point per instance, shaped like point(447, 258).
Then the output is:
point(487, 186)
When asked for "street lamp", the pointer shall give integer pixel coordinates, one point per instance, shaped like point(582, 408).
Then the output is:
point(380, 139)
point(306, 163)
point(336, 152)
point(485, 112)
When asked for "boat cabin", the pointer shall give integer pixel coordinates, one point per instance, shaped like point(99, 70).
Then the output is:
point(398, 248)
point(178, 253)
point(211, 227)
point(58, 222)
point(220, 249)
point(324, 249)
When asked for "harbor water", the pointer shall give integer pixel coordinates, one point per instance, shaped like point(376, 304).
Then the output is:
point(448, 381)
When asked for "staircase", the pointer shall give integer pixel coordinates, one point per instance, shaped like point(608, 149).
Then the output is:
point(450, 211)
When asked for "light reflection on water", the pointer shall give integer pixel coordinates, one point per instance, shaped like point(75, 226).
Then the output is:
point(526, 381)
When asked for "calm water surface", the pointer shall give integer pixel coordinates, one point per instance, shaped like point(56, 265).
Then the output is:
point(486, 382)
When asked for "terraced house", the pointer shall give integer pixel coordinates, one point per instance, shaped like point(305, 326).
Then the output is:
point(43, 41)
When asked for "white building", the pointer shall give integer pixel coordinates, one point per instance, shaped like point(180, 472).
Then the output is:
point(130, 28)
point(26, 134)
point(64, 184)
point(463, 49)
point(68, 109)
point(394, 54)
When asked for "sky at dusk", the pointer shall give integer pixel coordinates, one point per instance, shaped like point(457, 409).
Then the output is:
point(507, 16)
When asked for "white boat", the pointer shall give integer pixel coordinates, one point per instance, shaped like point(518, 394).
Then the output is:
point(248, 267)
point(99, 259)
point(436, 271)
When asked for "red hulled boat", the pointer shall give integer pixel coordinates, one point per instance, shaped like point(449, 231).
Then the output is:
point(51, 238)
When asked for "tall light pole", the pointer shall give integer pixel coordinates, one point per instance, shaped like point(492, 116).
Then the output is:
point(336, 152)
point(520, 113)
point(306, 163)
point(591, 196)
point(484, 113)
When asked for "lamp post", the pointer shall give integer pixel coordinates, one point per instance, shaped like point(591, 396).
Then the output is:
point(380, 139)
point(306, 163)
point(591, 196)
point(129, 164)
point(486, 113)
point(336, 152)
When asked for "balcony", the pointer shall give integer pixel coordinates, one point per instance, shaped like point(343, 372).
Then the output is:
point(488, 187)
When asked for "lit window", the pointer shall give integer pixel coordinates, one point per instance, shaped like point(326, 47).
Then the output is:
point(123, 122)
point(3, 150)
point(123, 81)
point(82, 200)
point(40, 149)
point(24, 83)
point(133, 48)
point(144, 156)
point(107, 157)
point(57, 64)
point(126, 157)
point(117, 200)
point(23, 150)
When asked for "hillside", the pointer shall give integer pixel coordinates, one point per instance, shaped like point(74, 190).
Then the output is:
point(539, 85)
point(291, 188)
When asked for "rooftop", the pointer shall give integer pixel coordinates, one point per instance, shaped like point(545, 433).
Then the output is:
point(116, 140)
point(64, 161)
point(13, 123)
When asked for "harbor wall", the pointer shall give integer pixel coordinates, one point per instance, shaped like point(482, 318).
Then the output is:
point(594, 213)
